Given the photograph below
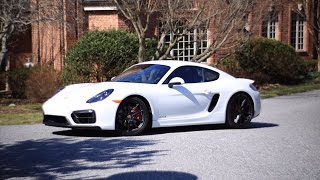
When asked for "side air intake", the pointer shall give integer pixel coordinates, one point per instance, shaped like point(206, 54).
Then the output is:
point(213, 102)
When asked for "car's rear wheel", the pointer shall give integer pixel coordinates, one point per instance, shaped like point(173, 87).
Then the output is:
point(239, 111)
point(132, 117)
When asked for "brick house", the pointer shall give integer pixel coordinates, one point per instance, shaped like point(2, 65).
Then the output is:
point(47, 43)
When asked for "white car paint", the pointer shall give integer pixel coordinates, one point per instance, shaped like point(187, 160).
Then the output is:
point(181, 105)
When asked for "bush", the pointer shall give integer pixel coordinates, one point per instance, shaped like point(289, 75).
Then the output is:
point(100, 55)
point(229, 65)
point(258, 77)
point(273, 58)
point(311, 65)
point(17, 79)
point(42, 83)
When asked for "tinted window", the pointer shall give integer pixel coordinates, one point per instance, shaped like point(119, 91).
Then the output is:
point(190, 74)
point(210, 75)
point(143, 73)
point(193, 74)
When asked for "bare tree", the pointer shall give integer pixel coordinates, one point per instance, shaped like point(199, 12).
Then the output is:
point(14, 16)
point(226, 19)
point(45, 16)
point(310, 10)
point(177, 18)
point(138, 12)
point(17, 15)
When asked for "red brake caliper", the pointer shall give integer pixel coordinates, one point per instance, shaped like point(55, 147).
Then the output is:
point(137, 112)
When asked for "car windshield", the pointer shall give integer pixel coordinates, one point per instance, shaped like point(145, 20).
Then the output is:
point(143, 73)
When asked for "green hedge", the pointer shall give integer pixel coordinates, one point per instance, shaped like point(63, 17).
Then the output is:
point(17, 81)
point(100, 55)
point(273, 58)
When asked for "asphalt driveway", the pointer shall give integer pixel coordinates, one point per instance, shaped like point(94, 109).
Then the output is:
point(282, 143)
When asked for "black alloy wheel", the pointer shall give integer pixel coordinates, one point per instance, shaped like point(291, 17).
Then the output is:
point(132, 117)
point(239, 111)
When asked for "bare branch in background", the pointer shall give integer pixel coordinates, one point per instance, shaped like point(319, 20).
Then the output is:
point(225, 20)
point(138, 12)
point(17, 15)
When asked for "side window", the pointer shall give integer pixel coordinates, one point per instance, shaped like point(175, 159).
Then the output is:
point(210, 75)
point(190, 74)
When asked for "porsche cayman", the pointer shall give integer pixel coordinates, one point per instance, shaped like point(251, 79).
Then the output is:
point(156, 94)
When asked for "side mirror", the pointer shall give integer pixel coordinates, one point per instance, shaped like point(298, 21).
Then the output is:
point(175, 82)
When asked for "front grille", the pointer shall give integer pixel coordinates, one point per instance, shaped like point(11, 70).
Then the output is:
point(51, 120)
point(84, 117)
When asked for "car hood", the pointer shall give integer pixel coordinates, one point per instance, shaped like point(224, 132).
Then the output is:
point(86, 91)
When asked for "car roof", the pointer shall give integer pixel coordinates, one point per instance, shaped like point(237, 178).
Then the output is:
point(174, 64)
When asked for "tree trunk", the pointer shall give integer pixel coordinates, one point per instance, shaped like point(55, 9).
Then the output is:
point(142, 49)
point(3, 53)
point(3, 60)
point(318, 61)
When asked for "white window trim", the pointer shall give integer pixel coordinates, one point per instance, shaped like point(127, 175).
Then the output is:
point(100, 8)
point(299, 34)
point(299, 39)
point(272, 25)
point(180, 46)
point(272, 29)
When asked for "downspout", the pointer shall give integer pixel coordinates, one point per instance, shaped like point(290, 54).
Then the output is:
point(62, 46)
point(38, 34)
point(316, 18)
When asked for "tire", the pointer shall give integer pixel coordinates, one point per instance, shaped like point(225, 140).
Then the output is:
point(239, 111)
point(132, 118)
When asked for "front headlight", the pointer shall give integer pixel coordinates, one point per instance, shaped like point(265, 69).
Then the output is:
point(101, 96)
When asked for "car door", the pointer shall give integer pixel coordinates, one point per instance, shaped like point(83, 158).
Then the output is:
point(186, 100)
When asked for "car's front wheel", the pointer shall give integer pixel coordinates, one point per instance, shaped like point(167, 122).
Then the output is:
point(239, 111)
point(132, 117)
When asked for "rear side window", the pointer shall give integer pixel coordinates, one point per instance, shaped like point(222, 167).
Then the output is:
point(210, 75)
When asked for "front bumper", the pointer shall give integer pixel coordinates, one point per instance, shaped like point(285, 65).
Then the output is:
point(58, 121)
point(78, 117)
point(81, 115)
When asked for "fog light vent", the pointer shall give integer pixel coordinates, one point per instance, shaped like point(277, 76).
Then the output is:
point(84, 117)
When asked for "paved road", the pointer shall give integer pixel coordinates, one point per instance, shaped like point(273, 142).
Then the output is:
point(282, 143)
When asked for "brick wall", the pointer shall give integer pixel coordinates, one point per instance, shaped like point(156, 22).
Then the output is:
point(47, 39)
point(50, 41)
point(103, 20)
point(20, 48)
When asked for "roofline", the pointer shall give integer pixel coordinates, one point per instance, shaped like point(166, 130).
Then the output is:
point(100, 8)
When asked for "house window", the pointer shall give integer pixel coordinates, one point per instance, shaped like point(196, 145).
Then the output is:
point(297, 31)
point(194, 42)
point(270, 26)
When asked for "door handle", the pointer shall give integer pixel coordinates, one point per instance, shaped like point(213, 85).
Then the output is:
point(207, 92)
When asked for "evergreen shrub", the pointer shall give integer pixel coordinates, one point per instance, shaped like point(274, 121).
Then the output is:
point(100, 55)
point(273, 58)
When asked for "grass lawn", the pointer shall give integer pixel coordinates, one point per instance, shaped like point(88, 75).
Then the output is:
point(274, 90)
point(21, 113)
point(30, 113)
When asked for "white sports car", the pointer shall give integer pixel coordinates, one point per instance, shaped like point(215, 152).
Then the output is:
point(156, 94)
